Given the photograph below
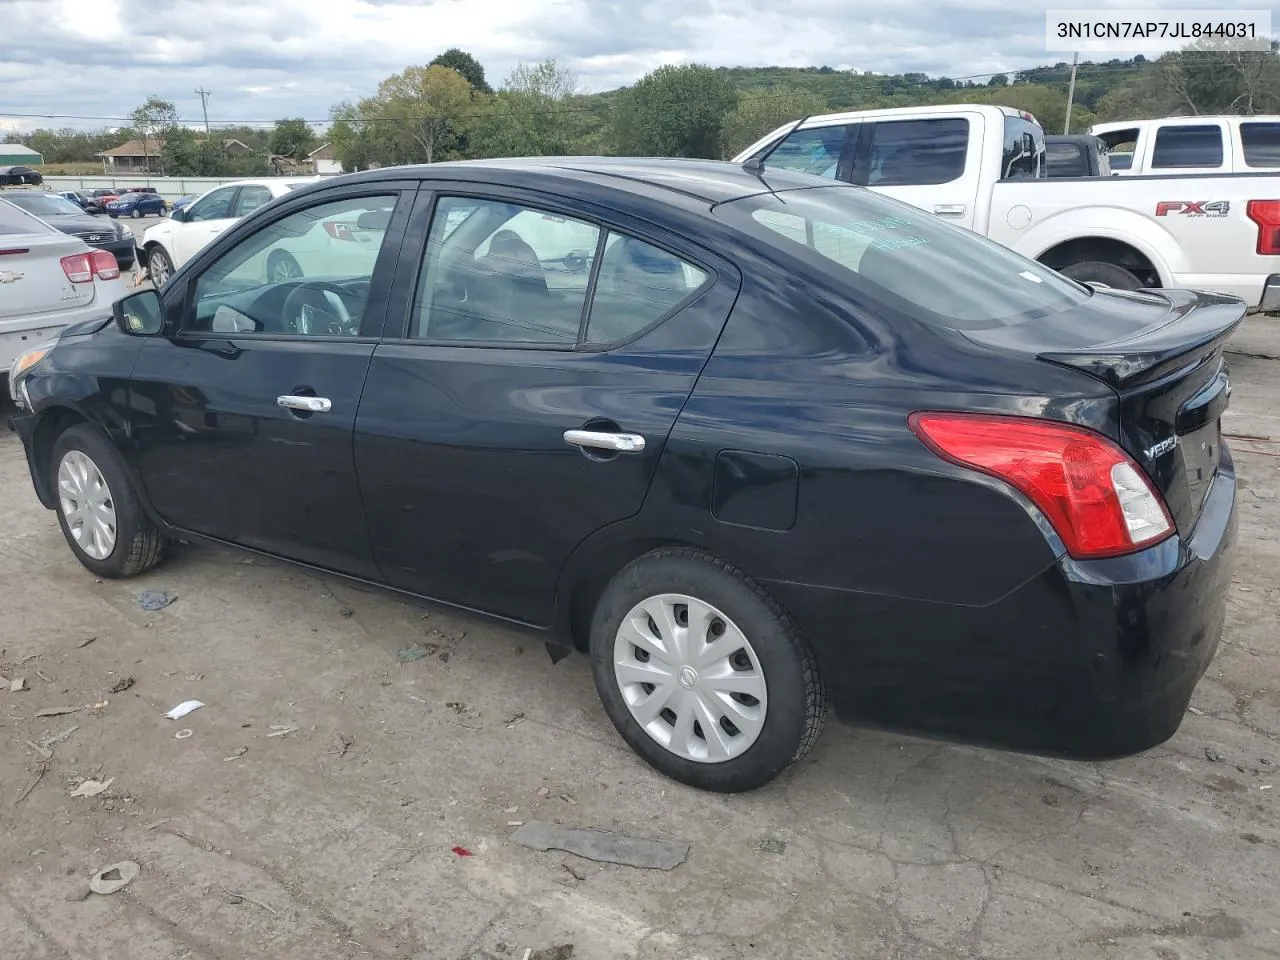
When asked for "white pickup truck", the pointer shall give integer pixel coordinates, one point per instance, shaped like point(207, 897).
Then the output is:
point(982, 167)
point(1185, 145)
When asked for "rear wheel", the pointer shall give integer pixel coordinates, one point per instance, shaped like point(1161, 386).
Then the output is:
point(1102, 274)
point(282, 266)
point(99, 511)
point(159, 267)
point(703, 674)
point(137, 213)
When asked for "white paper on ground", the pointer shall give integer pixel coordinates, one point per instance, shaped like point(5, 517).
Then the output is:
point(182, 709)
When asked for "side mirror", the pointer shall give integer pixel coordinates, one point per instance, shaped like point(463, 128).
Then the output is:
point(180, 214)
point(140, 314)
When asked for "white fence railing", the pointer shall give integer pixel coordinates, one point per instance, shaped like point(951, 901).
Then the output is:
point(171, 188)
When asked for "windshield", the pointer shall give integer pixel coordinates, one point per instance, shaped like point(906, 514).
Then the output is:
point(45, 205)
point(905, 258)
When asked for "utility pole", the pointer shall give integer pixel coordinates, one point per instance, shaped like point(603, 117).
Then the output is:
point(1071, 93)
point(204, 104)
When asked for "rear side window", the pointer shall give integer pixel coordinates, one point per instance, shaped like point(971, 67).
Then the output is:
point(1188, 146)
point(1261, 144)
point(1023, 149)
point(637, 286)
point(905, 260)
point(912, 152)
point(816, 152)
point(1067, 160)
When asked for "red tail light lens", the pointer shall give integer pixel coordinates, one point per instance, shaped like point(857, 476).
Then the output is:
point(82, 267)
point(1099, 501)
point(1266, 214)
point(339, 231)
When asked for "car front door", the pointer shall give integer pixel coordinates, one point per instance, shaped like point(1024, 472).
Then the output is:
point(243, 412)
point(201, 222)
point(542, 359)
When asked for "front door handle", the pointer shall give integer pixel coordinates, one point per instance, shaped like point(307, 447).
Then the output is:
point(309, 404)
point(604, 440)
point(949, 209)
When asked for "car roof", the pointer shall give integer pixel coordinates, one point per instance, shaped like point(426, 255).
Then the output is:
point(705, 181)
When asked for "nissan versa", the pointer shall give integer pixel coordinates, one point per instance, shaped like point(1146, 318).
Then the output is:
point(758, 443)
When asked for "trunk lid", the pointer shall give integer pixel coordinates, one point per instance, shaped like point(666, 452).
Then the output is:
point(32, 281)
point(1162, 354)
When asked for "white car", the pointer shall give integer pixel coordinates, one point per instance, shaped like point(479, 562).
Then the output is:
point(48, 280)
point(166, 246)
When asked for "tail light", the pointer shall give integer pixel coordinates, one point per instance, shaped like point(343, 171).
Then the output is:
point(339, 231)
point(1098, 499)
point(1266, 214)
point(83, 267)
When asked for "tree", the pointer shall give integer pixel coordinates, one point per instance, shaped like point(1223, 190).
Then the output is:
point(466, 65)
point(675, 111)
point(417, 116)
point(760, 111)
point(151, 120)
point(998, 80)
point(536, 113)
point(291, 137)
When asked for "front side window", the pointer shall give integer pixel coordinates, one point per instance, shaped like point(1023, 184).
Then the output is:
point(1261, 142)
point(307, 274)
point(816, 151)
point(913, 152)
point(216, 206)
point(1188, 146)
point(906, 259)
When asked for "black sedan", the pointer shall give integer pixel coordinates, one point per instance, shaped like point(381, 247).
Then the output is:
point(61, 214)
point(757, 444)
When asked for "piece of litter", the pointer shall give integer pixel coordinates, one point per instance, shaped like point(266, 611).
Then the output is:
point(574, 873)
point(17, 684)
point(1212, 755)
point(157, 823)
point(773, 845)
point(515, 823)
point(512, 810)
point(601, 846)
point(562, 952)
point(514, 719)
point(280, 730)
point(57, 711)
point(544, 792)
point(182, 709)
point(150, 600)
point(58, 738)
point(120, 686)
point(415, 651)
point(183, 734)
point(239, 752)
point(1265, 786)
point(100, 705)
point(44, 676)
point(91, 788)
point(462, 852)
point(115, 877)
point(345, 743)
point(86, 641)
point(1197, 711)
point(568, 799)
point(43, 752)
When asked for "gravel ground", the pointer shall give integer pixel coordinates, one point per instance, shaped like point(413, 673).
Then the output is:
point(314, 808)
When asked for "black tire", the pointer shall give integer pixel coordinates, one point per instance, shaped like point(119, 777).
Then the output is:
point(159, 266)
point(139, 544)
point(137, 213)
point(1103, 274)
point(797, 699)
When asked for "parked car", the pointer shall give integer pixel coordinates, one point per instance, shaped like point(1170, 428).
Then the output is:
point(65, 216)
point(169, 245)
point(103, 195)
point(19, 176)
point(48, 280)
point(1192, 145)
point(1076, 155)
point(137, 204)
point(183, 201)
point(80, 200)
point(773, 443)
point(977, 166)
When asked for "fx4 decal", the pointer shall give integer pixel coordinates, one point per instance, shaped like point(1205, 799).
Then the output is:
point(1194, 208)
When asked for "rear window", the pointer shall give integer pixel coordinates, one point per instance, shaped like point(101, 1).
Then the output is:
point(1067, 160)
point(1188, 146)
point(16, 221)
point(912, 152)
point(904, 258)
point(1261, 143)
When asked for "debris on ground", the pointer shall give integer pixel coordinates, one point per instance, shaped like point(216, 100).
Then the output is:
point(574, 873)
point(463, 852)
point(182, 709)
point(281, 730)
point(773, 845)
point(151, 600)
point(120, 686)
point(515, 809)
point(17, 684)
point(44, 753)
point(45, 677)
point(116, 877)
point(415, 651)
point(86, 641)
point(236, 754)
point(601, 846)
point(345, 743)
point(57, 711)
point(515, 718)
point(568, 798)
point(544, 791)
point(1212, 755)
point(183, 734)
point(58, 738)
point(457, 706)
point(234, 897)
point(562, 952)
point(26, 791)
point(157, 823)
point(91, 788)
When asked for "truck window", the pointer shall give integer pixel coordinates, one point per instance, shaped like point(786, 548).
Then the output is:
point(894, 153)
point(1261, 144)
point(1067, 160)
point(1188, 146)
point(816, 151)
point(1023, 150)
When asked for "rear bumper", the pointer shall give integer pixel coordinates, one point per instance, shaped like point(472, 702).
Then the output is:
point(1260, 291)
point(1093, 659)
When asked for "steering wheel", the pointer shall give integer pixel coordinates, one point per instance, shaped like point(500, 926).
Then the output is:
point(318, 308)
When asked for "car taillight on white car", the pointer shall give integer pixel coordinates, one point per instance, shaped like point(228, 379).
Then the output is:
point(1097, 498)
point(83, 267)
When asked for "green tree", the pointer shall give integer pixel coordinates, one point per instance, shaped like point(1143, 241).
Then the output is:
point(536, 113)
point(465, 64)
point(291, 137)
point(760, 111)
point(417, 116)
point(152, 121)
point(675, 111)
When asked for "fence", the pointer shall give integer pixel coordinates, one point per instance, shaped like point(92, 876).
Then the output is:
point(171, 188)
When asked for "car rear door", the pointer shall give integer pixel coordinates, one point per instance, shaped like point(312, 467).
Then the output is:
point(511, 412)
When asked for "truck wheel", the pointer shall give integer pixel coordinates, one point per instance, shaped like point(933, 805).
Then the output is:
point(1103, 274)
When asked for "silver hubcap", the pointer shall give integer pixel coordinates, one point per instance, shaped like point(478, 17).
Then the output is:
point(159, 269)
point(690, 678)
point(87, 505)
point(285, 268)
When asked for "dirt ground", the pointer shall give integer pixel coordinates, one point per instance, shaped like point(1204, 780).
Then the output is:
point(313, 810)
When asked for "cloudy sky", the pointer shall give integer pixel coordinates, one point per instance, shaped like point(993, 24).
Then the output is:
point(71, 62)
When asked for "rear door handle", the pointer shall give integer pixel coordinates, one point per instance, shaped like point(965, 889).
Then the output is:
point(309, 404)
point(949, 209)
point(604, 440)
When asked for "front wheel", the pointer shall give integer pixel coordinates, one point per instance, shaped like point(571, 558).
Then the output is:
point(99, 511)
point(703, 674)
point(159, 266)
